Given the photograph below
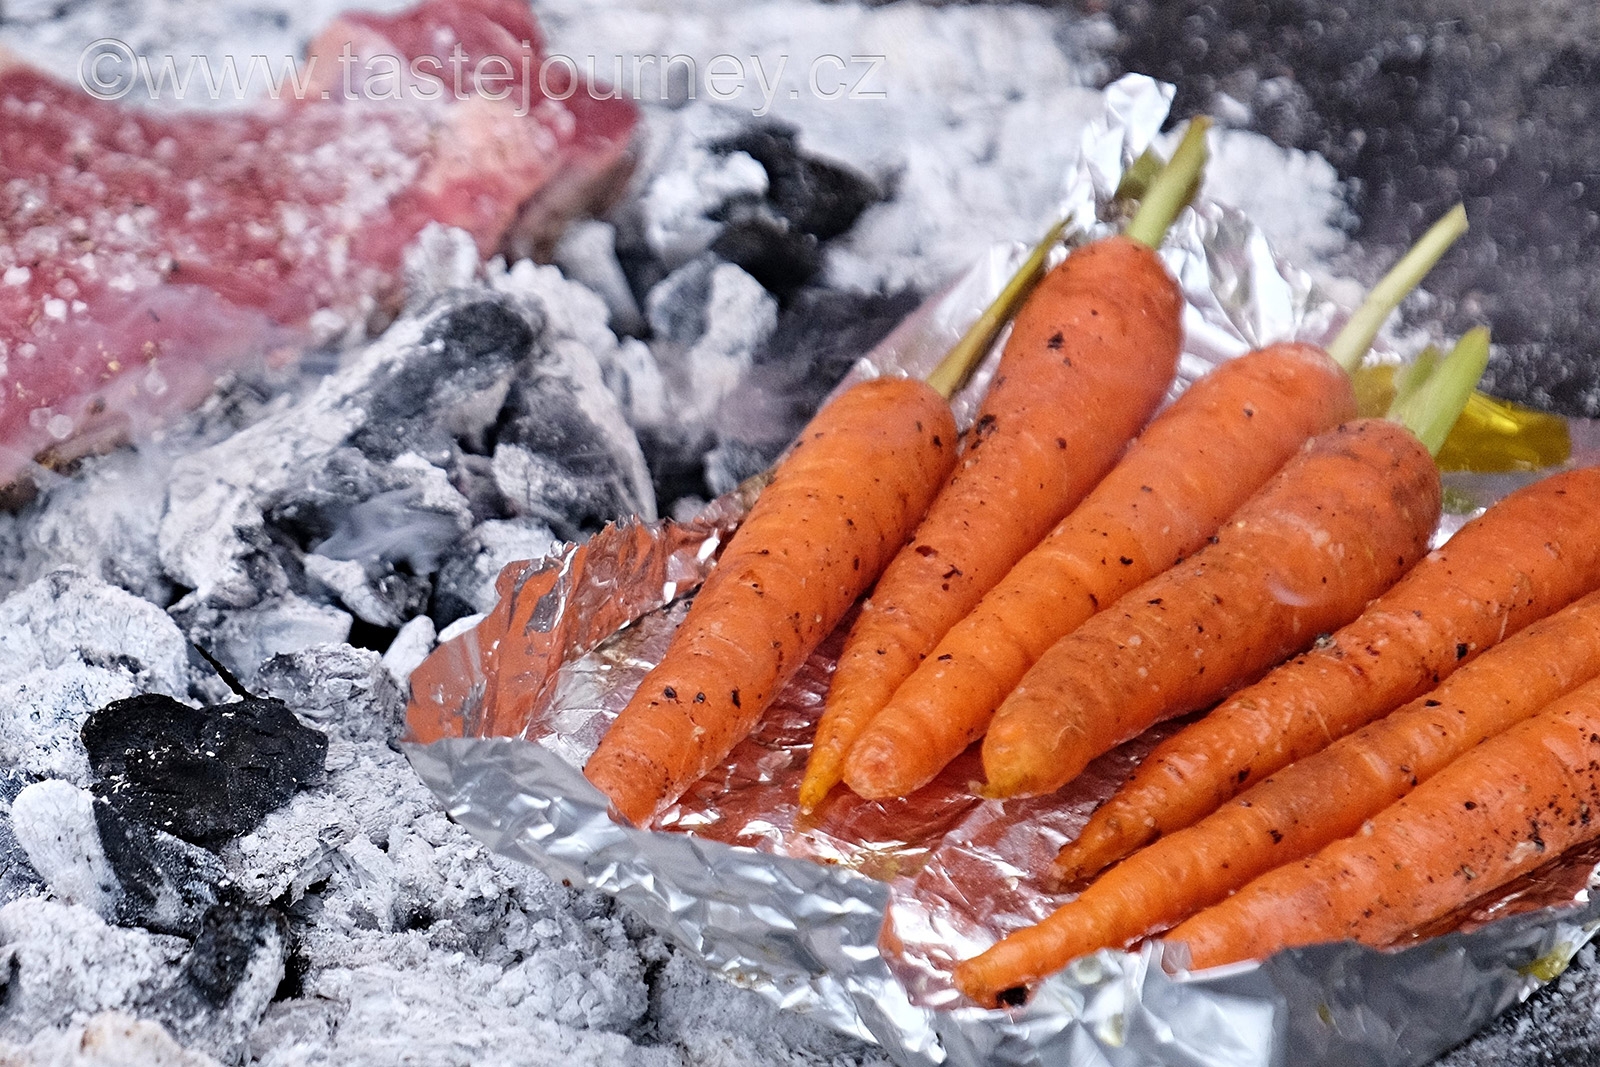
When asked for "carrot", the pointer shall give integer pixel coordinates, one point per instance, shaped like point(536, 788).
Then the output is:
point(1339, 524)
point(1504, 808)
point(1191, 468)
point(1089, 358)
point(1483, 583)
point(1308, 805)
point(818, 533)
point(838, 507)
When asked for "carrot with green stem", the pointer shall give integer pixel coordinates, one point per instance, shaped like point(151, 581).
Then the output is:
point(1089, 358)
point(1344, 519)
point(838, 507)
point(1506, 807)
point(1193, 466)
point(1478, 587)
point(1326, 796)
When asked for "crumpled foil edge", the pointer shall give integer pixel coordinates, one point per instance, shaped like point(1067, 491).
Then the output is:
point(806, 935)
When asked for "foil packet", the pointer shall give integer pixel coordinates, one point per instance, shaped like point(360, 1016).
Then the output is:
point(855, 914)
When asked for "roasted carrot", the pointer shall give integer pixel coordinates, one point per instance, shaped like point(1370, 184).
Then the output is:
point(1306, 806)
point(838, 507)
point(1504, 808)
point(1193, 466)
point(1339, 524)
point(823, 526)
point(1485, 582)
point(1089, 358)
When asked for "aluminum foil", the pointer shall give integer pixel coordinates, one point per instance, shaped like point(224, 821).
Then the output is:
point(855, 914)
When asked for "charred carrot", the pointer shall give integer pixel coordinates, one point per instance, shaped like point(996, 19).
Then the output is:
point(1526, 557)
point(1193, 466)
point(1504, 808)
point(1307, 806)
point(1339, 524)
point(839, 506)
point(1089, 358)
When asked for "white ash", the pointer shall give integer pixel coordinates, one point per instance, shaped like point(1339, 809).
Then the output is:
point(587, 253)
point(69, 644)
point(64, 964)
point(411, 645)
point(107, 1039)
point(54, 822)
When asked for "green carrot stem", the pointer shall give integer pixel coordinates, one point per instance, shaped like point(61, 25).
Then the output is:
point(1431, 408)
point(1350, 347)
point(954, 369)
point(1410, 377)
point(1137, 178)
point(1173, 187)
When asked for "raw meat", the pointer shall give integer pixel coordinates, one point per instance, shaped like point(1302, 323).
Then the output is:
point(142, 253)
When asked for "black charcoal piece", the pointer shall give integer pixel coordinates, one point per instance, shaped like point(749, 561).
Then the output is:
point(226, 982)
point(773, 251)
point(167, 884)
point(818, 197)
point(478, 343)
point(205, 775)
point(232, 935)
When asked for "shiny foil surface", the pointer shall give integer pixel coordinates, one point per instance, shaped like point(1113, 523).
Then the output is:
point(855, 914)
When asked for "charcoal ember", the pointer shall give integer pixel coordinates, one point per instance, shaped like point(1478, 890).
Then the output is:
point(466, 580)
point(17, 876)
point(364, 468)
point(69, 644)
point(375, 593)
point(562, 402)
point(816, 196)
point(338, 689)
point(680, 206)
point(215, 523)
point(226, 980)
point(62, 963)
point(771, 249)
point(819, 336)
point(166, 883)
point(54, 822)
point(313, 199)
point(243, 638)
point(201, 774)
point(552, 461)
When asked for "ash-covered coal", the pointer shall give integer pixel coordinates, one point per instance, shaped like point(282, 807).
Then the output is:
point(205, 775)
point(1422, 104)
point(777, 239)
